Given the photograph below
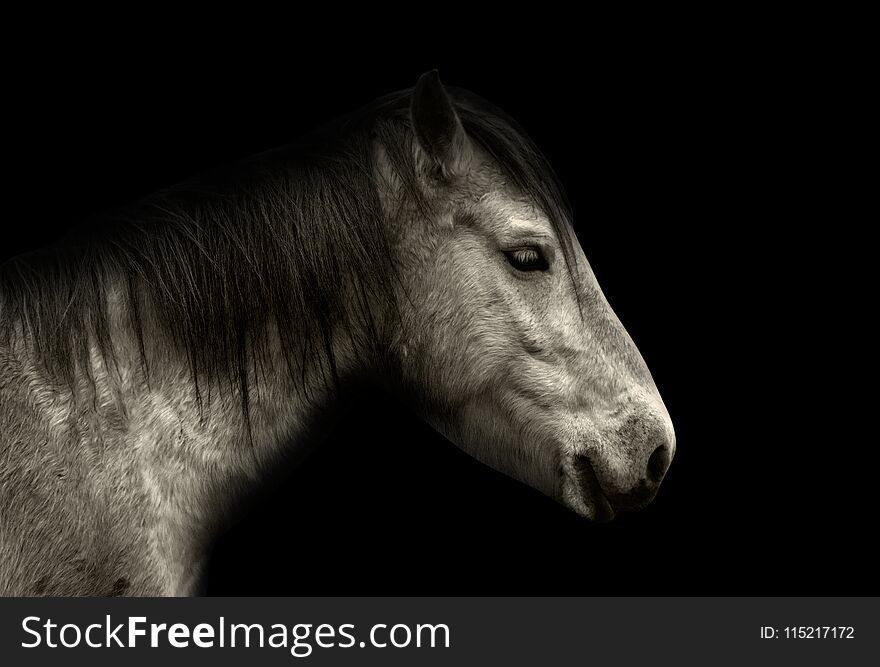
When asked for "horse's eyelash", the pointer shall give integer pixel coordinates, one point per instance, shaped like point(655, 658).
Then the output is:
point(526, 254)
point(529, 258)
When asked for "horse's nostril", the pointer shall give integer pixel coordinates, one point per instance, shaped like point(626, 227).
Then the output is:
point(658, 463)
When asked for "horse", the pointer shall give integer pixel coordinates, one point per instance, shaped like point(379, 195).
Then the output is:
point(160, 361)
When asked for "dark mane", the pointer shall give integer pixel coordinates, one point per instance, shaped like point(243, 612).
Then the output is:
point(215, 260)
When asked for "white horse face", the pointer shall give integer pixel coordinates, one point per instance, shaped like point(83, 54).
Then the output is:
point(527, 368)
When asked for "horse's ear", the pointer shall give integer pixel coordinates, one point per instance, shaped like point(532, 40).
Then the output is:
point(439, 132)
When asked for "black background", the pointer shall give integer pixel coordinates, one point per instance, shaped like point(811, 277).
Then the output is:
point(679, 156)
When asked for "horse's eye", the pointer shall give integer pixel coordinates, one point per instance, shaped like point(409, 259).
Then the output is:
point(527, 259)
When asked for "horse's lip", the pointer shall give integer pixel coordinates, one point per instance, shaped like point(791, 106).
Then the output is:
point(603, 510)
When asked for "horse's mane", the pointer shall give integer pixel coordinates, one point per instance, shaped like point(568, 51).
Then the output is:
point(215, 259)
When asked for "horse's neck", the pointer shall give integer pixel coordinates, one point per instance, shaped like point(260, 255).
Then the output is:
point(150, 438)
point(209, 428)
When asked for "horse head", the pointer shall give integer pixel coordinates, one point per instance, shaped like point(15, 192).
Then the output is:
point(508, 345)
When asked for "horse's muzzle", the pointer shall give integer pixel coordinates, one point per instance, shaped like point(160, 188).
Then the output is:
point(610, 489)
